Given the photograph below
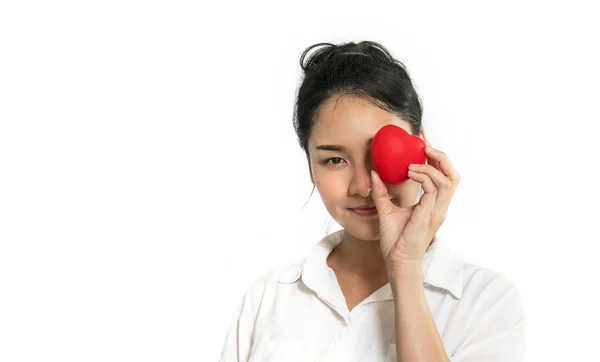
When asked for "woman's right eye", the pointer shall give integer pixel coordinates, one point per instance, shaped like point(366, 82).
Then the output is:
point(332, 158)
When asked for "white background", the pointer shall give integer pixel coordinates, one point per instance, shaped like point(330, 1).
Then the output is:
point(149, 170)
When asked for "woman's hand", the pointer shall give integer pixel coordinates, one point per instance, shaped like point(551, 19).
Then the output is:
point(405, 233)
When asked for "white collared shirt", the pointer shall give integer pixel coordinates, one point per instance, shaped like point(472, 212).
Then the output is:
point(299, 314)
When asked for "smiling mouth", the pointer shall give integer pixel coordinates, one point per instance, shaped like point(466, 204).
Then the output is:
point(368, 207)
point(365, 212)
point(370, 211)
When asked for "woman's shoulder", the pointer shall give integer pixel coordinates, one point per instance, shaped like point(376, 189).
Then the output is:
point(280, 274)
point(466, 279)
point(482, 284)
point(491, 291)
point(481, 277)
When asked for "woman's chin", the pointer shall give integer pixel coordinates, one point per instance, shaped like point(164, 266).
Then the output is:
point(366, 230)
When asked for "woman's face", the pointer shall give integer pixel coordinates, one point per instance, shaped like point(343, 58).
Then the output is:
point(340, 162)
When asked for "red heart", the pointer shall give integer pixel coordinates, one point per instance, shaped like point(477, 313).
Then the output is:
point(393, 149)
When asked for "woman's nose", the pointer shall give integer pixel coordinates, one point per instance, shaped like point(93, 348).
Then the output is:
point(361, 183)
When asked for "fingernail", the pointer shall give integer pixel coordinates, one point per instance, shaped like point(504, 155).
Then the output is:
point(374, 174)
point(413, 166)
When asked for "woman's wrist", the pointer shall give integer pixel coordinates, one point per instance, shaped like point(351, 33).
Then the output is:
point(404, 272)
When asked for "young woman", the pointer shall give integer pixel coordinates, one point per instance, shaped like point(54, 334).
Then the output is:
point(385, 287)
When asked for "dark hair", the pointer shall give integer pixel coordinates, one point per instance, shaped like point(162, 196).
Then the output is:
point(366, 70)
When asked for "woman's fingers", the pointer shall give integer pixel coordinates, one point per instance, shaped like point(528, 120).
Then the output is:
point(380, 196)
point(438, 178)
point(444, 177)
point(428, 200)
point(443, 164)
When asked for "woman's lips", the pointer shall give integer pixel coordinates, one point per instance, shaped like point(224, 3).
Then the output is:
point(365, 212)
point(369, 210)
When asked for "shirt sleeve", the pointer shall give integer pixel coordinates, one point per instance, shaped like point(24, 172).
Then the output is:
point(239, 334)
point(497, 331)
point(238, 340)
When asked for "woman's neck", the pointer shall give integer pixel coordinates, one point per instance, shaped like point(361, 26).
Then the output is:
point(361, 258)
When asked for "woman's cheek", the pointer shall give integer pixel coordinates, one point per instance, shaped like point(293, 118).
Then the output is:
point(396, 190)
point(405, 192)
point(332, 188)
point(327, 187)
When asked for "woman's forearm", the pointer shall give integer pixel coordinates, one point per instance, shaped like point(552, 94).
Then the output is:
point(417, 337)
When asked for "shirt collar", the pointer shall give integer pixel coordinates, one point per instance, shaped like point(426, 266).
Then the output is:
point(441, 267)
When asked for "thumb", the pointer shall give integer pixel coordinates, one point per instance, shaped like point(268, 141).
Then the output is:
point(380, 196)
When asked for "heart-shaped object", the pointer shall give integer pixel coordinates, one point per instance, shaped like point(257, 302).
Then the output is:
point(392, 150)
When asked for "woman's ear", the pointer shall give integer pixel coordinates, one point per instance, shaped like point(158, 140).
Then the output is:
point(422, 135)
point(311, 175)
point(424, 138)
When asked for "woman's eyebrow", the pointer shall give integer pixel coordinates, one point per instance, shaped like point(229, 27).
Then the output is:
point(339, 148)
